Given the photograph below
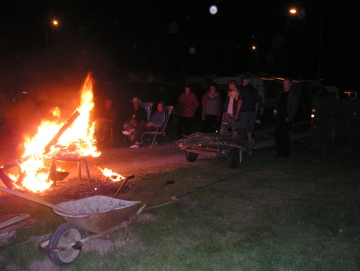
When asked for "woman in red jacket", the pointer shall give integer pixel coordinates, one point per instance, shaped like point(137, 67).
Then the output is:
point(187, 104)
point(211, 109)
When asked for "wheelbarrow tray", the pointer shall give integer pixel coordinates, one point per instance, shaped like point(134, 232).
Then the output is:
point(212, 144)
point(97, 213)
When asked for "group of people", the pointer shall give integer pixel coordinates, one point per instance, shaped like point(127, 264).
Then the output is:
point(136, 125)
point(238, 113)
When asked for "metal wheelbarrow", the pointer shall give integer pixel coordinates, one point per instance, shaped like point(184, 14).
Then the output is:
point(101, 215)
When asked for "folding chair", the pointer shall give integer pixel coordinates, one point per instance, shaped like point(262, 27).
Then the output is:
point(160, 130)
point(148, 107)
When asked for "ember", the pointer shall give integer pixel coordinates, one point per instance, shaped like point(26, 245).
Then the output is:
point(116, 177)
point(71, 140)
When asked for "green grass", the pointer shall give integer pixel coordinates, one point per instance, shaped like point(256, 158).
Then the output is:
point(300, 213)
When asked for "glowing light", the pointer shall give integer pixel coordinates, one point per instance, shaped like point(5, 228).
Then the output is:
point(293, 10)
point(76, 142)
point(213, 10)
point(115, 177)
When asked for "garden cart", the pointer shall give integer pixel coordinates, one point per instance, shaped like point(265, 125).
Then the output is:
point(212, 145)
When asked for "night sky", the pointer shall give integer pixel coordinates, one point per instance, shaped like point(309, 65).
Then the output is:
point(182, 37)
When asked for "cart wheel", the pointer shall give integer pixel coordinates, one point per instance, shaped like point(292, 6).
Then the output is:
point(191, 156)
point(65, 234)
point(233, 158)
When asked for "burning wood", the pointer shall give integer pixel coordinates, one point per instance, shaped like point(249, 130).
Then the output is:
point(47, 147)
point(6, 180)
point(74, 140)
point(115, 177)
point(67, 124)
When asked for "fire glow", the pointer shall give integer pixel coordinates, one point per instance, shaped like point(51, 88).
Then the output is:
point(115, 177)
point(75, 141)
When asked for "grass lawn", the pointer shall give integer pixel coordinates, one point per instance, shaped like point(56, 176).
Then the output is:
point(297, 213)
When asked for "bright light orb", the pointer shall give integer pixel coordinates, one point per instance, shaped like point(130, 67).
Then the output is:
point(213, 10)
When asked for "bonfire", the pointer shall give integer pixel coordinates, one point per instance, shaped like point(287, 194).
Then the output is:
point(55, 140)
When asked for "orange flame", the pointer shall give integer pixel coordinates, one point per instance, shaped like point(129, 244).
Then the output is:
point(116, 177)
point(77, 141)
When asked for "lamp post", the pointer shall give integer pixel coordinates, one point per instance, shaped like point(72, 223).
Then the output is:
point(301, 14)
point(254, 48)
point(53, 23)
point(312, 124)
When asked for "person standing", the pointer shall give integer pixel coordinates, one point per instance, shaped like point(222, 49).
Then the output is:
point(229, 110)
point(186, 107)
point(211, 109)
point(284, 112)
point(246, 110)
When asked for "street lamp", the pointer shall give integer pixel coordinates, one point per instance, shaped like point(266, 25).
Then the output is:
point(301, 14)
point(313, 111)
point(54, 23)
point(254, 48)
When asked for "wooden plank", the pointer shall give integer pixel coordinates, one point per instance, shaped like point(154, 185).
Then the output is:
point(6, 217)
point(13, 220)
point(18, 225)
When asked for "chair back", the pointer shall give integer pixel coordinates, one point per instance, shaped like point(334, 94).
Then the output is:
point(148, 107)
point(160, 129)
point(168, 112)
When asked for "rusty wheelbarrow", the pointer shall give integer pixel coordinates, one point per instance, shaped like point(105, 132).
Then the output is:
point(97, 214)
point(100, 215)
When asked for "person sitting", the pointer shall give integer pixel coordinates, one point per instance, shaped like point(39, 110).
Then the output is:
point(138, 115)
point(157, 119)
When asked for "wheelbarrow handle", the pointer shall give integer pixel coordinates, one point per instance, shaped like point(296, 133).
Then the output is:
point(42, 202)
point(148, 201)
point(122, 185)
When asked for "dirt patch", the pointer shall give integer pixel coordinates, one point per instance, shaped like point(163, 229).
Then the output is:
point(125, 161)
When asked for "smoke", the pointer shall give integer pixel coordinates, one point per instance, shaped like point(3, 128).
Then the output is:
point(48, 80)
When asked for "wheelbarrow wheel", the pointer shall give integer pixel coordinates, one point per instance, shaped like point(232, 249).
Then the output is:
point(65, 234)
point(191, 156)
point(233, 158)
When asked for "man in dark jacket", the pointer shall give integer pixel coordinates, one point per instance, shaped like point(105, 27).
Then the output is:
point(246, 110)
point(284, 112)
point(138, 115)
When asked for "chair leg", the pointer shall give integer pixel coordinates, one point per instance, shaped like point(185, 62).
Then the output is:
point(153, 141)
